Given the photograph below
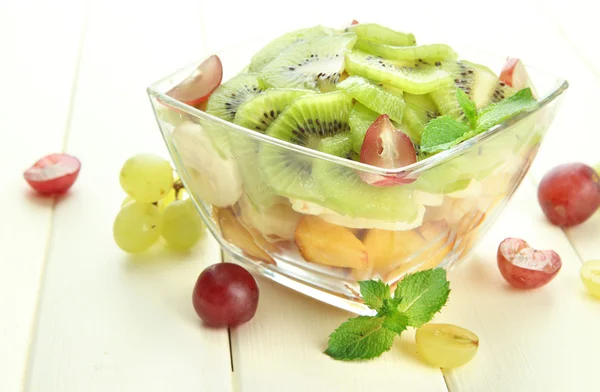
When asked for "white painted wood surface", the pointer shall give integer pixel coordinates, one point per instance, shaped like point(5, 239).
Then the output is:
point(109, 322)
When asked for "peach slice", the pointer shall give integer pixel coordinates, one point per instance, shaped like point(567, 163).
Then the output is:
point(387, 248)
point(238, 235)
point(436, 235)
point(329, 244)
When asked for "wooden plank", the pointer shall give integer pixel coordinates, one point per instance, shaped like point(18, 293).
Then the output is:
point(37, 75)
point(108, 321)
point(283, 346)
point(538, 340)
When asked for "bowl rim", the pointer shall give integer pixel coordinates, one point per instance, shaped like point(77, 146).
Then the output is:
point(560, 87)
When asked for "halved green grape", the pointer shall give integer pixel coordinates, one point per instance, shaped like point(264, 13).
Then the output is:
point(446, 345)
point(146, 177)
point(590, 275)
point(137, 227)
point(181, 225)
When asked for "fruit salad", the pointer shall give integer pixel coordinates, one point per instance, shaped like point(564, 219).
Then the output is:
point(339, 155)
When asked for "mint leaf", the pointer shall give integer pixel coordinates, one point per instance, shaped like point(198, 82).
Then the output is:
point(496, 113)
point(396, 321)
point(374, 292)
point(467, 106)
point(422, 295)
point(362, 337)
point(442, 133)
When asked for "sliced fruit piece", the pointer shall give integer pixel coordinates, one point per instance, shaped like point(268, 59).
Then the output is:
point(420, 109)
point(525, 267)
point(515, 75)
point(386, 147)
point(260, 111)
point(328, 244)
point(306, 121)
point(257, 114)
point(275, 223)
point(315, 65)
point(376, 98)
point(308, 208)
point(53, 174)
point(238, 235)
point(198, 86)
point(384, 35)
point(419, 54)
point(361, 118)
point(400, 74)
point(214, 179)
point(348, 195)
point(477, 81)
point(274, 48)
point(389, 248)
point(224, 102)
point(440, 244)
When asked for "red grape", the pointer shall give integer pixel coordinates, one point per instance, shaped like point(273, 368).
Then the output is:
point(387, 147)
point(198, 86)
point(524, 267)
point(225, 295)
point(569, 194)
point(53, 174)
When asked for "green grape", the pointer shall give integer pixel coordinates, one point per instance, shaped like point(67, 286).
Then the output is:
point(146, 177)
point(137, 227)
point(446, 345)
point(590, 276)
point(181, 225)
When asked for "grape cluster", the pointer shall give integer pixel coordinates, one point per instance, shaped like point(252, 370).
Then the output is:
point(155, 206)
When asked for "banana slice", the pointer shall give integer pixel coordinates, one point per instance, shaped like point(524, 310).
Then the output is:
point(275, 223)
point(214, 179)
point(309, 208)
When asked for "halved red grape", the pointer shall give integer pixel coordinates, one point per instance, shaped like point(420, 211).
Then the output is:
point(53, 174)
point(569, 194)
point(386, 147)
point(197, 87)
point(524, 267)
point(225, 294)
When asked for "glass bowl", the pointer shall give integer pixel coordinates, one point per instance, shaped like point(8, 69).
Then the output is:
point(304, 218)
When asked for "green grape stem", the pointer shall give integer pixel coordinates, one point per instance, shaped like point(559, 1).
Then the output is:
point(178, 186)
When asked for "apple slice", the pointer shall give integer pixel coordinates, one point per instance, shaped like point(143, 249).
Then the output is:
point(386, 147)
point(515, 75)
point(197, 87)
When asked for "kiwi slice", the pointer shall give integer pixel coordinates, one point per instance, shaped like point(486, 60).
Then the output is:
point(361, 118)
point(479, 82)
point(257, 114)
point(315, 65)
point(305, 122)
point(348, 195)
point(380, 34)
point(419, 54)
point(278, 45)
point(420, 109)
point(376, 98)
point(226, 99)
point(400, 74)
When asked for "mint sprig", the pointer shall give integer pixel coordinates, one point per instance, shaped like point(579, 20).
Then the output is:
point(417, 298)
point(444, 132)
point(467, 106)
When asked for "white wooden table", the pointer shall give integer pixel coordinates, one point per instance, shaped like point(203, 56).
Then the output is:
point(77, 314)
